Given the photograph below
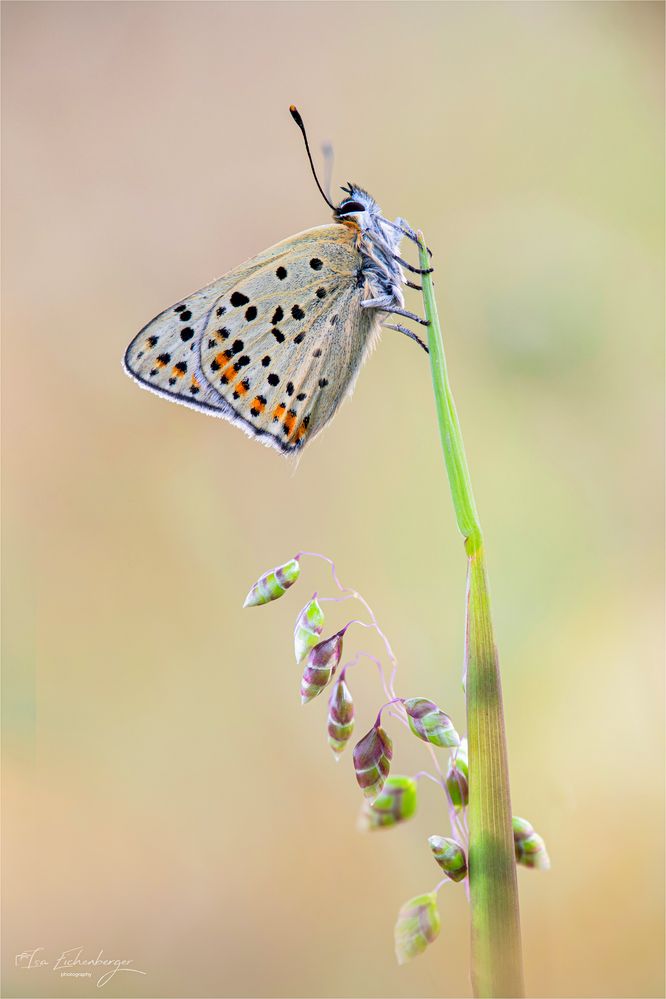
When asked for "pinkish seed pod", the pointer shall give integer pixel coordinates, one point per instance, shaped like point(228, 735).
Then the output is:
point(450, 856)
point(395, 803)
point(457, 777)
point(417, 926)
point(372, 761)
point(273, 584)
point(530, 847)
point(320, 666)
point(340, 716)
point(429, 723)
point(309, 626)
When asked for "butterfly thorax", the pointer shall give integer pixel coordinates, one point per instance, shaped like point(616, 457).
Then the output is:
point(378, 244)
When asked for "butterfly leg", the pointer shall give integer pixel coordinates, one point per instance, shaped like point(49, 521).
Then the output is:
point(413, 270)
point(405, 313)
point(416, 287)
point(386, 249)
point(410, 234)
point(409, 333)
point(405, 228)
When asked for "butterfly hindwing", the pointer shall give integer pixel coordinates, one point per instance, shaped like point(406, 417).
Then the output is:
point(274, 345)
point(165, 355)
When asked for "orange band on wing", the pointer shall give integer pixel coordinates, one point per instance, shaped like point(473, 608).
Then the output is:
point(228, 374)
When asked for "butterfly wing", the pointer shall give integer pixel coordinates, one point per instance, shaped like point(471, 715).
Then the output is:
point(165, 355)
point(289, 351)
point(274, 345)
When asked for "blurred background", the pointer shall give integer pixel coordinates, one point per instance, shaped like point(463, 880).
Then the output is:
point(167, 799)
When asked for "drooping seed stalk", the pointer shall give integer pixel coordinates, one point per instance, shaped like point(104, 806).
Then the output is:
point(496, 949)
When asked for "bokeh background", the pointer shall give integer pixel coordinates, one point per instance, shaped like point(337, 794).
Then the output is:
point(167, 799)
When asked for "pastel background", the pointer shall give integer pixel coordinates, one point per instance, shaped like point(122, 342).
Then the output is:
point(167, 799)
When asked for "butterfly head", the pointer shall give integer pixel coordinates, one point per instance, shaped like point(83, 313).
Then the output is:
point(358, 205)
point(360, 209)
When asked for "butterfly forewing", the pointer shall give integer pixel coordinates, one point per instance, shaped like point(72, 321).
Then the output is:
point(274, 345)
point(288, 349)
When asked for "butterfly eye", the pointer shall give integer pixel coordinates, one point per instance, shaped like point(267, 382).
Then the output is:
point(347, 207)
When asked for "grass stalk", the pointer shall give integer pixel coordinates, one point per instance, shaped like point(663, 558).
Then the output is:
point(496, 947)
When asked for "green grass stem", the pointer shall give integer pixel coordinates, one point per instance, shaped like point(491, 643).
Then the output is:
point(496, 947)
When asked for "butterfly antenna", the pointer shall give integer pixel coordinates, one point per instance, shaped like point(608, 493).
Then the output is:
point(327, 152)
point(295, 114)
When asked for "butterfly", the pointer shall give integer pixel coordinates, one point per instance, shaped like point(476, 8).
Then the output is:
point(275, 345)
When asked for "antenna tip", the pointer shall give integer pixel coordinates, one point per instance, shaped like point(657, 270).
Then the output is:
point(295, 114)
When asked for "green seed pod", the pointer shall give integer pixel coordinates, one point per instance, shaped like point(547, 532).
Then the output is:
point(395, 802)
point(417, 926)
point(340, 716)
point(372, 761)
point(530, 847)
point(429, 723)
point(450, 856)
point(320, 666)
point(457, 777)
point(309, 626)
point(273, 584)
